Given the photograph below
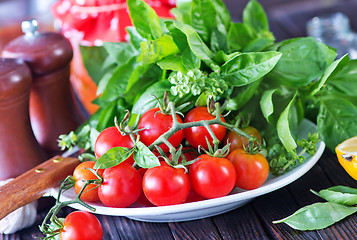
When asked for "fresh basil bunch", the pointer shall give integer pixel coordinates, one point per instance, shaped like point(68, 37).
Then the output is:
point(204, 53)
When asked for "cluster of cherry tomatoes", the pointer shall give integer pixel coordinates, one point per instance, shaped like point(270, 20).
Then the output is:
point(210, 175)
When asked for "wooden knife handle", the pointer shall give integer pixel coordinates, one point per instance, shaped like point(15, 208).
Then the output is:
point(31, 185)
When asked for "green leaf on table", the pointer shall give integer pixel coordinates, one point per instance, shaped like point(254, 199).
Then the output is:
point(336, 120)
point(246, 68)
point(303, 60)
point(155, 50)
point(144, 157)
point(284, 128)
point(145, 19)
point(318, 216)
point(339, 194)
point(113, 157)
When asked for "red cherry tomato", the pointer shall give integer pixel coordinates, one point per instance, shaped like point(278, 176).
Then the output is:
point(237, 141)
point(121, 186)
point(196, 136)
point(252, 169)
point(81, 225)
point(81, 173)
point(165, 185)
point(155, 123)
point(112, 137)
point(212, 177)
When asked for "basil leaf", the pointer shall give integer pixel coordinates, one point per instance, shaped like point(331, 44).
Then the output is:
point(246, 68)
point(94, 68)
point(222, 13)
point(344, 81)
point(198, 47)
point(155, 50)
point(283, 128)
point(242, 95)
point(189, 59)
point(339, 194)
point(203, 18)
point(336, 120)
point(318, 216)
point(147, 101)
point(104, 117)
point(119, 80)
point(141, 78)
point(144, 157)
point(174, 63)
point(331, 70)
point(113, 157)
point(122, 52)
point(145, 19)
point(303, 60)
point(267, 105)
point(238, 36)
point(182, 12)
point(135, 38)
point(254, 16)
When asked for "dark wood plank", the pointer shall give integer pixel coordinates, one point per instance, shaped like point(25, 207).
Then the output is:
point(129, 229)
point(197, 229)
point(110, 231)
point(241, 223)
point(275, 206)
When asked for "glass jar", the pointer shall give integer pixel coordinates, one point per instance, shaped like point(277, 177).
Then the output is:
point(334, 30)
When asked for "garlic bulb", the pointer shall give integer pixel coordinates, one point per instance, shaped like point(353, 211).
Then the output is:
point(20, 218)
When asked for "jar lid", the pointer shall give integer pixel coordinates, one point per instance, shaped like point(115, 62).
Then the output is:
point(44, 52)
point(15, 78)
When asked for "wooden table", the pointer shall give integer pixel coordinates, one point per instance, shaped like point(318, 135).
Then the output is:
point(254, 220)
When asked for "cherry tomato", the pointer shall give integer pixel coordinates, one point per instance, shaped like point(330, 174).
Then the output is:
point(237, 141)
point(121, 186)
point(196, 136)
point(81, 225)
point(165, 185)
point(212, 177)
point(81, 173)
point(112, 137)
point(155, 123)
point(252, 169)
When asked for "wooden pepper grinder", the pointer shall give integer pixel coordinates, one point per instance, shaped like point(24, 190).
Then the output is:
point(19, 149)
point(53, 110)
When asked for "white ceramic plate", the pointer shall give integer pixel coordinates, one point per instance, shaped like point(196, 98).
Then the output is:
point(209, 207)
